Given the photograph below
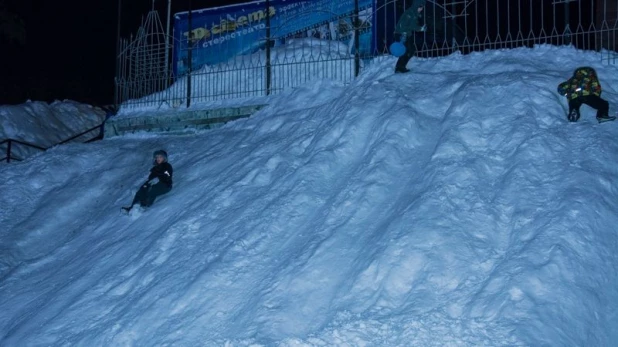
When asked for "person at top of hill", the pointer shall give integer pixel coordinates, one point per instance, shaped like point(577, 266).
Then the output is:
point(584, 88)
point(410, 24)
point(159, 182)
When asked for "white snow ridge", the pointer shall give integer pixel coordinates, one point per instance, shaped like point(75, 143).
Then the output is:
point(451, 206)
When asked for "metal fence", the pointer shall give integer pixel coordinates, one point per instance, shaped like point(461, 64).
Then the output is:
point(331, 49)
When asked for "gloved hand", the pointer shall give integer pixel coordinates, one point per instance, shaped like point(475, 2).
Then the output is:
point(400, 37)
point(562, 88)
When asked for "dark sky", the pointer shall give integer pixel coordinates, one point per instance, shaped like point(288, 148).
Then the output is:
point(70, 46)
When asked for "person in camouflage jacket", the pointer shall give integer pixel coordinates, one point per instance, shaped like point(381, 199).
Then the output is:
point(584, 88)
point(410, 25)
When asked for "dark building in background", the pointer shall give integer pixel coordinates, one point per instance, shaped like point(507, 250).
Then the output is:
point(606, 14)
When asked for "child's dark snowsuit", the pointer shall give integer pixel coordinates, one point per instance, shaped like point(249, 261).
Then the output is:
point(148, 192)
point(584, 88)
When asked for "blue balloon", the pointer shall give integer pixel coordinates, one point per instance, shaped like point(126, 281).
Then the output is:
point(397, 49)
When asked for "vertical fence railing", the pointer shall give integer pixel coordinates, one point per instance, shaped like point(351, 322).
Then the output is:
point(117, 97)
point(268, 67)
point(356, 25)
point(333, 48)
point(190, 40)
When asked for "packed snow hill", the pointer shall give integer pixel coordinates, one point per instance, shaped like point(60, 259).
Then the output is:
point(453, 205)
point(45, 125)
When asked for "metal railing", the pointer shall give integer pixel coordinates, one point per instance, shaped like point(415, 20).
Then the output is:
point(10, 142)
point(332, 50)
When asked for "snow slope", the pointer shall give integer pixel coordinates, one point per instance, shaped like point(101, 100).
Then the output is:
point(451, 206)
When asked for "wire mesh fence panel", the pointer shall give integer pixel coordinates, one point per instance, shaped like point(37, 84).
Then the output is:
point(261, 48)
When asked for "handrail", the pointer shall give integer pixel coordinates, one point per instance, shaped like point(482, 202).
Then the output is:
point(27, 144)
point(8, 160)
point(80, 134)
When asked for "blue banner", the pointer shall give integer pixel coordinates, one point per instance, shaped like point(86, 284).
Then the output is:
point(221, 33)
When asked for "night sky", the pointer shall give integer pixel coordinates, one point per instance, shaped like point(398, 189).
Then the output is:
point(56, 50)
point(69, 46)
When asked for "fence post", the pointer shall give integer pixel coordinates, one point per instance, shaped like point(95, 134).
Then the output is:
point(190, 55)
point(8, 152)
point(116, 91)
point(167, 45)
point(356, 40)
point(567, 27)
point(453, 26)
point(268, 66)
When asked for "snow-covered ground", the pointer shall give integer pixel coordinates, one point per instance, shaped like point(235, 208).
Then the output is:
point(45, 125)
point(452, 206)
